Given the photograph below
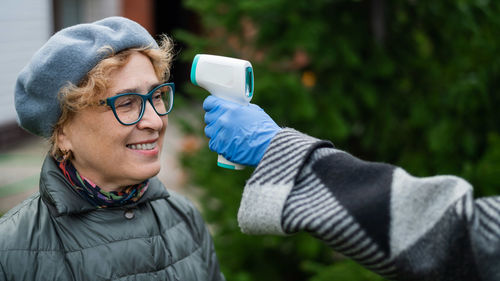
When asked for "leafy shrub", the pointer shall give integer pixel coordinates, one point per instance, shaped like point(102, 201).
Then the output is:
point(412, 83)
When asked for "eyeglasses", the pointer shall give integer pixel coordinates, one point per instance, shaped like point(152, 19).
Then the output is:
point(129, 108)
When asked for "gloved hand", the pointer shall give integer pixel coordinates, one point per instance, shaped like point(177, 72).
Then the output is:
point(240, 133)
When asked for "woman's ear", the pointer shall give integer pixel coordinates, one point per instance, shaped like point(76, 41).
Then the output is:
point(63, 135)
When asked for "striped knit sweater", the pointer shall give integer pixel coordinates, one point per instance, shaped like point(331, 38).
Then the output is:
point(400, 226)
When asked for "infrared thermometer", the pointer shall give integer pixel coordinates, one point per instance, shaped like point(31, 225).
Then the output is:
point(227, 78)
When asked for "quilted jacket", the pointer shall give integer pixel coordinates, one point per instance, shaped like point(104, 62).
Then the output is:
point(57, 235)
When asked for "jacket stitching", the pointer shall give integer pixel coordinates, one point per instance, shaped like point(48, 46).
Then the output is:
point(2, 270)
point(161, 269)
point(99, 245)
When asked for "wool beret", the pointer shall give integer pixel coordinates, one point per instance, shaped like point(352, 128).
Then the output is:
point(66, 58)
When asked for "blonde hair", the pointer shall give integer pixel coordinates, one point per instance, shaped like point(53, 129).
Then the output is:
point(74, 98)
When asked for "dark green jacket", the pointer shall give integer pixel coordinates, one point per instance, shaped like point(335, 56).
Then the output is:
point(57, 235)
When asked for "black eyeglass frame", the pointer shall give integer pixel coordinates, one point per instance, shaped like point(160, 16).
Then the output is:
point(147, 97)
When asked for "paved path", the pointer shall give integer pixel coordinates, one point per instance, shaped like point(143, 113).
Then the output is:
point(19, 171)
point(20, 168)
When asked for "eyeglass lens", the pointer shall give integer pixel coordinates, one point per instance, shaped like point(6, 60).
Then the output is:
point(128, 107)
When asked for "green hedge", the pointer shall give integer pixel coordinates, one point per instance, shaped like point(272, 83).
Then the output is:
point(414, 84)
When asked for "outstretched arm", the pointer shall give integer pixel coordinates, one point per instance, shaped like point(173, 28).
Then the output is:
point(400, 226)
point(397, 225)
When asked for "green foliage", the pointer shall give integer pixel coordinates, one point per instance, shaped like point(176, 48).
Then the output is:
point(421, 93)
point(345, 270)
point(245, 257)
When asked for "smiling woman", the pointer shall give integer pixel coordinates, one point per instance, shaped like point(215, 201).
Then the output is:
point(98, 92)
point(94, 86)
point(102, 149)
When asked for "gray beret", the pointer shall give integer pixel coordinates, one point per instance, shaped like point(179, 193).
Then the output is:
point(67, 57)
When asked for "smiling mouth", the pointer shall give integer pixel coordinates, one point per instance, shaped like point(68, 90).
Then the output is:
point(142, 146)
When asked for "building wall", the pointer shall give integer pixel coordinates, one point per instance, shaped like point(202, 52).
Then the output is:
point(71, 12)
point(97, 9)
point(141, 12)
point(24, 26)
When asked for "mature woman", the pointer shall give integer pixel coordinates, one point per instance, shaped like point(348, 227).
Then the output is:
point(98, 91)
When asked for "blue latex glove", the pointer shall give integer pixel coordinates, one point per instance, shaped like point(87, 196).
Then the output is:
point(240, 133)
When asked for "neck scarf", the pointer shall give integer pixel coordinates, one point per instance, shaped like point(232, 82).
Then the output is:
point(98, 197)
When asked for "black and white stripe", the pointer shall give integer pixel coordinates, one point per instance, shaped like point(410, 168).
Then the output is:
point(312, 207)
point(488, 213)
point(397, 225)
point(283, 158)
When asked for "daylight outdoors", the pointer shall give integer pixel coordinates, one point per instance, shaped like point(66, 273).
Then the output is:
point(414, 83)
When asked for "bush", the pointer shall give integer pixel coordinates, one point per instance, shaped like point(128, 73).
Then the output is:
point(412, 83)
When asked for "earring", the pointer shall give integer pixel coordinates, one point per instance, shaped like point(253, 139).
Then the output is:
point(66, 154)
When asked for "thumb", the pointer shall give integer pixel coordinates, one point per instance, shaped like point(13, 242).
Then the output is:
point(211, 102)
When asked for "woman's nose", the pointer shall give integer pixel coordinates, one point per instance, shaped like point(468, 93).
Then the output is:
point(150, 119)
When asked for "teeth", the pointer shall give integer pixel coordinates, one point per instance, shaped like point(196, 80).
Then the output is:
point(142, 146)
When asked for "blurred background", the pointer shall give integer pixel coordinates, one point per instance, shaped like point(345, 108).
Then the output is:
point(409, 82)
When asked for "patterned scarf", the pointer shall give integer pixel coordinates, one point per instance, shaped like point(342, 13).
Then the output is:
point(98, 197)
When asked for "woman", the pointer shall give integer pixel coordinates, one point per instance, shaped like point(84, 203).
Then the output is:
point(98, 92)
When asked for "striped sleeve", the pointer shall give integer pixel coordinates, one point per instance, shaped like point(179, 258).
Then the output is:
point(400, 226)
point(267, 190)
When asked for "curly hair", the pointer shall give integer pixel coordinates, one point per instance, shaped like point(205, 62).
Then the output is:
point(74, 98)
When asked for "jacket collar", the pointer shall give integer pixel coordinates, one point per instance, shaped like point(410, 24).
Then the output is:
point(63, 199)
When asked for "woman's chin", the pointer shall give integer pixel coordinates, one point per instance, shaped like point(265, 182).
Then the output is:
point(148, 172)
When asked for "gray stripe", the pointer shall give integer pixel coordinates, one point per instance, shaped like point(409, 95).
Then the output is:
point(388, 272)
point(351, 241)
point(382, 264)
point(276, 166)
point(303, 177)
point(376, 260)
point(488, 212)
point(306, 186)
point(321, 212)
point(302, 215)
point(492, 205)
point(274, 148)
point(326, 215)
point(364, 244)
point(299, 205)
point(311, 185)
point(304, 209)
point(488, 216)
point(469, 205)
point(486, 230)
point(383, 268)
point(324, 152)
point(340, 215)
point(271, 163)
point(459, 207)
point(344, 234)
point(277, 145)
point(368, 253)
point(288, 145)
point(306, 197)
point(288, 175)
point(463, 207)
